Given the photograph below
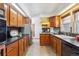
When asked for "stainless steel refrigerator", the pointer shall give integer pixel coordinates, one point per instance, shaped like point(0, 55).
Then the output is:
point(28, 31)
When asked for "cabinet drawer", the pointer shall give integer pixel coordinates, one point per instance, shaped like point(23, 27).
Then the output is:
point(12, 46)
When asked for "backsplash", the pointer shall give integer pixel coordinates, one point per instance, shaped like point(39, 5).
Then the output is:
point(55, 30)
point(14, 31)
point(69, 34)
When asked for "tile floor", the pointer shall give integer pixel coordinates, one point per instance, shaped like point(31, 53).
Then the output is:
point(36, 50)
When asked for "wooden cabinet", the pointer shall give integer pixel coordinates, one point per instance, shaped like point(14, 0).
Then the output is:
point(54, 42)
point(21, 51)
point(24, 44)
point(27, 40)
point(27, 20)
point(51, 41)
point(58, 48)
point(1, 5)
point(24, 20)
point(12, 49)
point(7, 13)
point(20, 20)
point(44, 39)
point(13, 17)
point(2, 50)
point(54, 21)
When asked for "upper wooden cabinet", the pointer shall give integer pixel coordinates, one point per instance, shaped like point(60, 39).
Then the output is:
point(25, 20)
point(54, 21)
point(20, 20)
point(1, 5)
point(13, 17)
point(7, 13)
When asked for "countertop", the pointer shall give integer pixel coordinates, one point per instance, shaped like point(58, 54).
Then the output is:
point(68, 39)
point(11, 40)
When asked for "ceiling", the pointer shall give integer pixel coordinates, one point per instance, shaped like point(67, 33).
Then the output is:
point(42, 9)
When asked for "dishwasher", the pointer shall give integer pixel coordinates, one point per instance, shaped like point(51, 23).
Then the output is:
point(69, 49)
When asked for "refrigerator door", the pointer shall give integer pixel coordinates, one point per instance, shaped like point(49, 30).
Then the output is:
point(27, 29)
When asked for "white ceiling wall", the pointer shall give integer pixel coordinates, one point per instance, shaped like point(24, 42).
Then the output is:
point(42, 9)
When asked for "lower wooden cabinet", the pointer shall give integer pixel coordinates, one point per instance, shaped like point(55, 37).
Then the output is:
point(21, 47)
point(17, 48)
point(51, 41)
point(25, 43)
point(58, 48)
point(44, 39)
point(13, 52)
point(55, 43)
point(12, 49)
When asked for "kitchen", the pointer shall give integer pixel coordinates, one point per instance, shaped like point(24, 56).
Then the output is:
point(28, 29)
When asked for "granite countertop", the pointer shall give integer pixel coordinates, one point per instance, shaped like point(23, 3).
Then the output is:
point(11, 40)
point(68, 39)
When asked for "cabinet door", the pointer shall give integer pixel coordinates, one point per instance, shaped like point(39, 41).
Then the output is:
point(1, 5)
point(58, 49)
point(47, 39)
point(20, 47)
point(24, 44)
point(7, 11)
point(44, 39)
point(13, 52)
point(20, 22)
point(13, 17)
point(12, 49)
point(26, 20)
point(54, 43)
point(51, 21)
point(27, 41)
point(57, 21)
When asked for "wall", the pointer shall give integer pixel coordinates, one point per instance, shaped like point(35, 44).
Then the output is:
point(36, 22)
point(45, 20)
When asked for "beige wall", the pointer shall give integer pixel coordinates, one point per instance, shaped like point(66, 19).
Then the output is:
point(45, 20)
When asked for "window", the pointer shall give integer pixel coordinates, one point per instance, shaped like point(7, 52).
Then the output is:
point(66, 24)
point(77, 21)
